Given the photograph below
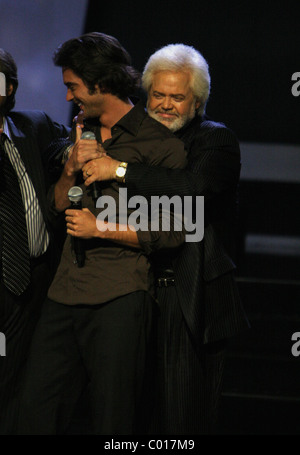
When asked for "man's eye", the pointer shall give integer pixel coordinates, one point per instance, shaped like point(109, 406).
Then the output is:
point(178, 99)
point(157, 96)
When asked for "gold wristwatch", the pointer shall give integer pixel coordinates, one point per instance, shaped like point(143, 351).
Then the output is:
point(120, 172)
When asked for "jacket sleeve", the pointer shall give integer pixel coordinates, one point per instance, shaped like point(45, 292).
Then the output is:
point(169, 231)
point(212, 171)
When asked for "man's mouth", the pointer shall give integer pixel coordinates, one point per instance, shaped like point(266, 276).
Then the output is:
point(166, 115)
point(79, 104)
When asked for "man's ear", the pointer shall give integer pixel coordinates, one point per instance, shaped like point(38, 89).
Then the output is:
point(198, 103)
point(9, 89)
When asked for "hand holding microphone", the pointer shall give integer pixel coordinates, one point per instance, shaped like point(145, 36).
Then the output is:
point(96, 193)
point(75, 196)
point(97, 166)
point(81, 224)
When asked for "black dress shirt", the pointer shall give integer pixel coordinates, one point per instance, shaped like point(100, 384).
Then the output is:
point(112, 270)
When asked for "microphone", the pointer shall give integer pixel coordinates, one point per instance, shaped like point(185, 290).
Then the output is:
point(94, 187)
point(75, 195)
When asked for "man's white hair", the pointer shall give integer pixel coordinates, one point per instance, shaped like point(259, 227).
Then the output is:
point(180, 57)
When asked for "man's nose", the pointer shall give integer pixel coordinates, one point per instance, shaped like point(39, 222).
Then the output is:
point(69, 96)
point(167, 103)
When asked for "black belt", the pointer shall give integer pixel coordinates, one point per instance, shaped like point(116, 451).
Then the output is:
point(165, 282)
point(165, 277)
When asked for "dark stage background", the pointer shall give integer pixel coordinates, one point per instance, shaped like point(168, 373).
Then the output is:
point(252, 48)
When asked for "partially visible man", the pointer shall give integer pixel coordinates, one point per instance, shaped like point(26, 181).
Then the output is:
point(28, 252)
point(198, 296)
point(97, 324)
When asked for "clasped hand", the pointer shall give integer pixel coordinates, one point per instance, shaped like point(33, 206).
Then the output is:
point(83, 151)
point(89, 156)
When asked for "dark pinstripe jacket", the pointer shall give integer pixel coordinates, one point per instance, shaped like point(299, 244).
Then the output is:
point(204, 271)
point(32, 132)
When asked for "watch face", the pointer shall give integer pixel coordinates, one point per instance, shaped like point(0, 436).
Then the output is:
point(120, 172)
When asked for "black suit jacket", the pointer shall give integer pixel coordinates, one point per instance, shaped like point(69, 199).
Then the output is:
point(204, 271)
point(31, 132)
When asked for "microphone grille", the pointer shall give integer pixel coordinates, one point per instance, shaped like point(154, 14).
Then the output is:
point(75, 194)
point(88, 135)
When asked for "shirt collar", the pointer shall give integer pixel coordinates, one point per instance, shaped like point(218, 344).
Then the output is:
point(6, 129)
point(130, 121)
point(133, 119)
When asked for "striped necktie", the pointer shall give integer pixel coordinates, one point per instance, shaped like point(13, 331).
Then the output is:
point(15, 251)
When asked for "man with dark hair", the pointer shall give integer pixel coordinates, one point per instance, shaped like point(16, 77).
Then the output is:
point(198, 298)
point(102, 61)
point(28, 251)
point(97, 325)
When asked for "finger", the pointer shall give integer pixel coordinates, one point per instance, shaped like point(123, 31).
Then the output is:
point(69, 221)
point(86, 173)
point(78, 132)
point(80, 118)
point(101, 155)
point(100, 149)
point(70, 212)
point(90, 179)
point(72, 225)
point(70, 232)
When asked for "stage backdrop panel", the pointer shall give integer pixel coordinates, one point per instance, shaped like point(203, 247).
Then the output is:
point(31, 30)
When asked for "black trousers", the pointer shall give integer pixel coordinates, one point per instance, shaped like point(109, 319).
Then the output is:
point(106, 347)
point(18, 318)
point(188, 385)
